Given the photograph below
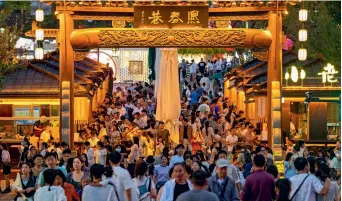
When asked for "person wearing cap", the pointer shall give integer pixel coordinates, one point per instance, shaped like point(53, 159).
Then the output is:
point(222, 185)
point(199, 192)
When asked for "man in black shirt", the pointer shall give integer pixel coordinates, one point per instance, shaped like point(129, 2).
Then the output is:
point(201, 66)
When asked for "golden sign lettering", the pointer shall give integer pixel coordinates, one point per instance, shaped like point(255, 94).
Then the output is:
point(175, 17)
point(193, 17)
point(156, 17)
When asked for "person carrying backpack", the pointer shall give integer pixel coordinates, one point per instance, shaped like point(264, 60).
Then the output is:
point(145, 185)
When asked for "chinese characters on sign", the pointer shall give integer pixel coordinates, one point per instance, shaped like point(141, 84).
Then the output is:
point(193, 17)
point(171, 16)
point(156, 18)
point(328, 74)
point(174, 18)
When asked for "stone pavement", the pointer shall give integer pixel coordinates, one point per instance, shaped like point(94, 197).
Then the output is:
point(8, 196)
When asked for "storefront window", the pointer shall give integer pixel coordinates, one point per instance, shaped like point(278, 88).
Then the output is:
point(22, 111)
point(333, 121)
point(298, 121)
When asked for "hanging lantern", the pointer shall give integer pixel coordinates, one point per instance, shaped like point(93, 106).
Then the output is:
point(302, 54)
point(287, 76)
point(303, 15)
point(303, 35)
point(39, 53)
point(294, 73)
point(39, 15)
point(302, 74)
point(39, 34)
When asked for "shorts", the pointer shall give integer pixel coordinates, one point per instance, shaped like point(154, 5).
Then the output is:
point(7, 169)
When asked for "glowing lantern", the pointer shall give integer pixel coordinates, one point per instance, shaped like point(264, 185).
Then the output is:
point(294, 73)
point(39, 53)
point(303, 15)
point(303, 35)
point(39, 34)
point(39, 15)
point(302, 54)
point(287, 76)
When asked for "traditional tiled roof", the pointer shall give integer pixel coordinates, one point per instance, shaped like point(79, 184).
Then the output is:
point(41, 77)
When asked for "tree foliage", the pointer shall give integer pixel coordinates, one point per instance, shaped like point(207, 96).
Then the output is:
point(324, 34)
point(13, 18)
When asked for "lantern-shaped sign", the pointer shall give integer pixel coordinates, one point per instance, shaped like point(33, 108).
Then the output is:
point(39, 34)
point(39, 53)
point(39, 15)
point(302, 74)
point(303, 35)
point(294, 73)
point(303, 15)
point(302, 54)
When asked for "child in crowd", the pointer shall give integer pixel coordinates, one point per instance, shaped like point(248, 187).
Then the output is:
point(84, 181)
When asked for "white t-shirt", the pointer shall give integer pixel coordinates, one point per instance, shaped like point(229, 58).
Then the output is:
point(99, 193)
point(45, 136)
point(100, 156)
point(125, 182)
point(139, 182)
point(53, 193)
point(206, 81)
point(203, 108)
point(193, 68)
point(307, 191)
point(231, 139)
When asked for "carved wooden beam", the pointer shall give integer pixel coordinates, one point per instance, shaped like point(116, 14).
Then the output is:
point(110, 38)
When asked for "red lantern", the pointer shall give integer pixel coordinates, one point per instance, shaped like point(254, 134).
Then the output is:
point(229, 49)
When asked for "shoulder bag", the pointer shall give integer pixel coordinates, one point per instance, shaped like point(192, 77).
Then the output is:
point(299, 187)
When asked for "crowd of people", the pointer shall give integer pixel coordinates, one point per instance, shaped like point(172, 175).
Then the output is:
point(218, 155)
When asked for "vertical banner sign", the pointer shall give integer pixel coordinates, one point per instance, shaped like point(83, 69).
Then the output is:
point(171, 17)
point(261, 105)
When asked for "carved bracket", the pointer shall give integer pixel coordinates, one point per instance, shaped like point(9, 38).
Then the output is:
point(81, 54)
point(260, 53)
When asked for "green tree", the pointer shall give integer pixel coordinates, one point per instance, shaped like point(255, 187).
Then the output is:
point(324, 34)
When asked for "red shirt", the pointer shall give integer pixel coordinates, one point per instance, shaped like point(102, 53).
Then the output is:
point(70, 192)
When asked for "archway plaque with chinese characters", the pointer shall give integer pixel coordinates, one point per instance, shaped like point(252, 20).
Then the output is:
point(171, 16)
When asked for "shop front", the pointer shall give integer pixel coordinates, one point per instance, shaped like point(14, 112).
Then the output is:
point(311, 106)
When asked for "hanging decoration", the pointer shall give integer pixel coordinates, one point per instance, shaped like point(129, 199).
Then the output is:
point(302, 34)
point(39, 51)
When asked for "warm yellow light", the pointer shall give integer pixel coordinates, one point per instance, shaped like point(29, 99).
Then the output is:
point(302, 74)
point(39, 53)
point(302, 54)
point(287, 76)
point(294, 73)
point(39, 34)
point(303, 15)
point(286, 12)
point(303, 35)
point(39, 15)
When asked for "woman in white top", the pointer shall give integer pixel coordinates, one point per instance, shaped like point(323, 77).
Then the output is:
point(50, 192)
point(97, 191)
point(145, 185)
